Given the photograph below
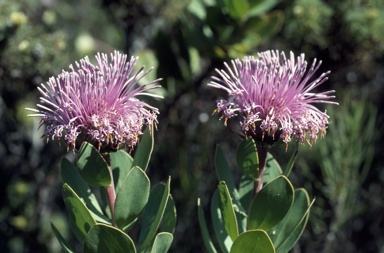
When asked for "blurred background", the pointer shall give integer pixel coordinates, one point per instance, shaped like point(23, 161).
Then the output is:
point(185, 40)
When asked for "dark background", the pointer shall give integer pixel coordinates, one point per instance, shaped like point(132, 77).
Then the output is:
point(185, 41)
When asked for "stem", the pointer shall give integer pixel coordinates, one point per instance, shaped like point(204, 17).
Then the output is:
point(111, 194)
point(111, 199)
point(262, 151)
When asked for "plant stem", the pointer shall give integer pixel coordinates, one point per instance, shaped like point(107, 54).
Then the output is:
point(111, 200)
point(262, 151)
point(111, 194)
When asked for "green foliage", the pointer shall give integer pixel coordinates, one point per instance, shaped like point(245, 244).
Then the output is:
point(80, 218)
point(346, 157)
point(309, 23)
point(253, 241)
point(66, 247)
point(271, 204)
point(285, 234)
point(162, 242)
point(121, 164)
point(345, 34)
point(153, 213)
point(87, 220)
point(204, 229)
point(70, 175)
point(104, 238)
point(92, 166)
point(247, 159)
point(276, 215)
point(365, 22)
point(132, 197)
point(144, 150)
point(227, 211)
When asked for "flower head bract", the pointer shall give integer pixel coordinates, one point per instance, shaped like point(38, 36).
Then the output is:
point(274, 96)
point(97, 103)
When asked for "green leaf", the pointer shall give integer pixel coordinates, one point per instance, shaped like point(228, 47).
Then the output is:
point(247, 160)
point(92, 166)
point(246, 187)
point(169, 218)
point(197, 8)
point(80, 219)
point(162, 242)
point(224, 173)
point(204, 229)
point(71, 176)
point(223, 169)
point(271, 204)
point(153, 213)
point(253, 241)
point(291, 161)
point(226, 207)
point(132, 197)
point(264, 27)
point(258, 7)
point(224, 240)
point(121, 164)
point(272, 169)
point(236, 9)
point(66, 247)
point(104, 238)
point(285, 234)
point(144, 149)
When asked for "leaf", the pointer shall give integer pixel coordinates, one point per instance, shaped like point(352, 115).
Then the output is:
point(224, 240)
point(223, 170)
point(272, 169)
point(162, 242)
point(104, 238)
point(224, 173)
point(80, 219)
point(204, 229)
point(121, 164)
point(66, 247)
point(285, 234)
point(291, 161)
point(144, 149)
point(264, 27)
point(169, 218)
point(253, 241)
point(226, 207)
point(132, 197)
point(271, 204)
point(236, 9)
point(246, 187)
point(197, 8)
point(92, 166)
point(153, 213)
point(71, 176)
point(247, 160)
point(258, 7)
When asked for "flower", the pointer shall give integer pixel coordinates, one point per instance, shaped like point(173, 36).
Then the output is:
point(97, 103)
point(274, 97)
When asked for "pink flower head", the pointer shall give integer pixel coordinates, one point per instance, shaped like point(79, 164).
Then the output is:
point(97, 103)
point(274, 97)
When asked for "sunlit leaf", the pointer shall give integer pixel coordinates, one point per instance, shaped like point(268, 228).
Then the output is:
point(92, 166)
point(144, 149)
point(103, 238)
point(80, 219)
point(132, 197)
point(228, 214)
point(253, 241)
point(204, 229)
point(162, 242)
point(271, 204)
